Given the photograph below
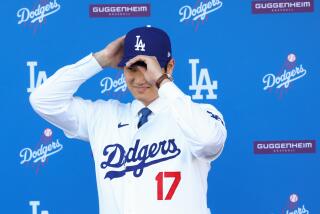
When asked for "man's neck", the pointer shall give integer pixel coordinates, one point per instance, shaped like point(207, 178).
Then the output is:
point(146, 103)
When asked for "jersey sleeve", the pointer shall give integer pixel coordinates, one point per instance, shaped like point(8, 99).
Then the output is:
point(54, 100)
point(202, 124)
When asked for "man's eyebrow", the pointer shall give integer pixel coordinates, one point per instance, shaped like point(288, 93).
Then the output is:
point(132, 68)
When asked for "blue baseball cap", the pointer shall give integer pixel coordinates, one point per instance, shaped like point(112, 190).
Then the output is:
point(148, 41)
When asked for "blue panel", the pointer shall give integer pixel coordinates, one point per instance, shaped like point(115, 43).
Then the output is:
point(239, 50)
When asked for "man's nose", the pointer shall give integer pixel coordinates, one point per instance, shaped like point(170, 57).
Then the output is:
point(139, 77)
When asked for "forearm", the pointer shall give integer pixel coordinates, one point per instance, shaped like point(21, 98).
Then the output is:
point(202, 124)
point(55, 94)
point(101, 58)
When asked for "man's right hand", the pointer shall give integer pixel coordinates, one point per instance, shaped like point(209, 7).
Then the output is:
point(112, 54)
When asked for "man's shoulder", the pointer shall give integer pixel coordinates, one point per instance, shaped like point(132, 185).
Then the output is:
point(210, 108)
point(206, 105)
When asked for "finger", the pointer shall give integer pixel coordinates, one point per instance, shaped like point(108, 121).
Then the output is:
point(119, 42)
point(136, 59)
point(121, 39)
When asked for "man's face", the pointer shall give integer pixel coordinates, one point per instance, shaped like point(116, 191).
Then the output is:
point(138, 86)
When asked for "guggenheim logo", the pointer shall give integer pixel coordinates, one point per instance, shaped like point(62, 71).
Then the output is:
point(284, 147)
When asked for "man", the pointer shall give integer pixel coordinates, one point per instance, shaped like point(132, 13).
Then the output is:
point(152, 155)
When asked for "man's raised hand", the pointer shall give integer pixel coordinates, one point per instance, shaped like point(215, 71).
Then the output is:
point(111, 55)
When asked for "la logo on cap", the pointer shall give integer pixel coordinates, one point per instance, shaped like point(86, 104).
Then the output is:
point(139, 44)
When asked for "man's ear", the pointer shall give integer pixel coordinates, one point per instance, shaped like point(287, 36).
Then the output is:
point(170, 66)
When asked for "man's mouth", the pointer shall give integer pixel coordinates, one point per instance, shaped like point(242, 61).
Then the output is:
point(142, 88)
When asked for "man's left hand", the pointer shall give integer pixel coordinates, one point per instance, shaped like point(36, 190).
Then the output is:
point(153, 71)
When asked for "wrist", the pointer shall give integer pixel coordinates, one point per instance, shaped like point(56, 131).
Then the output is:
point(101, 59)
point(164, 78)
point(164, 82)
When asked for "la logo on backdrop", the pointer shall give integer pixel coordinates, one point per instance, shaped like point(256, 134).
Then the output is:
point(202, 82)
point(290, 72)
point(34, 206)
point(38, 156)
point(35, 81)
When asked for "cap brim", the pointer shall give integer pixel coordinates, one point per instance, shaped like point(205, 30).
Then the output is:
point(162, 62)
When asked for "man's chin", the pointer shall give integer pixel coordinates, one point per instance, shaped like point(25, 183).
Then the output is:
point(144, 97)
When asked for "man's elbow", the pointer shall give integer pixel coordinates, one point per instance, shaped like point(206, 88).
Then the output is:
point(38, 101)
point(213, 143)
point(34, 100)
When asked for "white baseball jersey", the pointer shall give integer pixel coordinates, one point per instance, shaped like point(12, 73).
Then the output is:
point(162, 167)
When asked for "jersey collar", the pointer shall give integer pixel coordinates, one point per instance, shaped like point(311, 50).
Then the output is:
point(155, 106)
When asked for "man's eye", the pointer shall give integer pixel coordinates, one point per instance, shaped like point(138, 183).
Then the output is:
point(132, 69)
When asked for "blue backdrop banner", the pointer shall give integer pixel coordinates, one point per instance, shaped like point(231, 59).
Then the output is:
point(256, 61)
